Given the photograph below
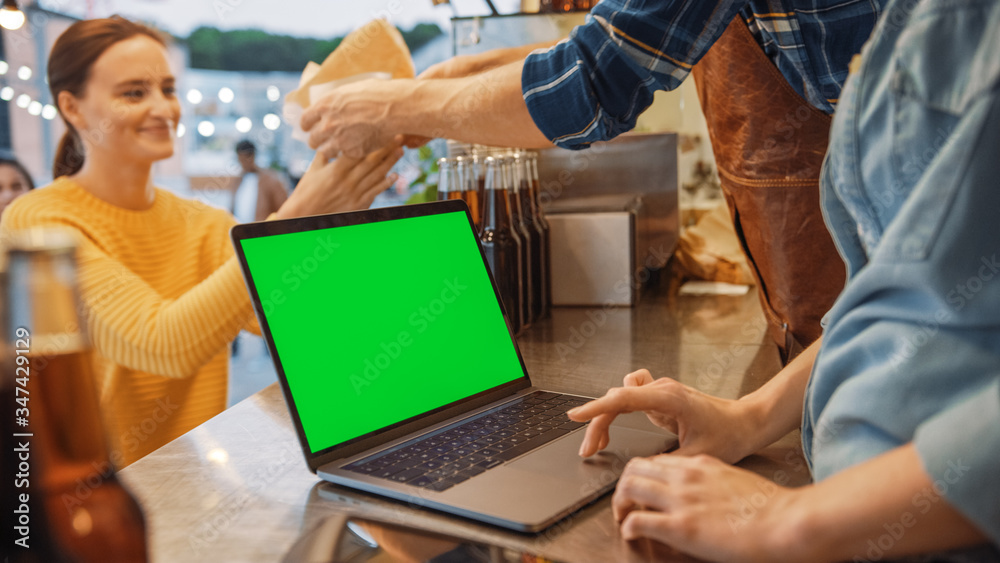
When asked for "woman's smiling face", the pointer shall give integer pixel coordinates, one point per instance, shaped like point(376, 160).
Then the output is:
point(129, 109)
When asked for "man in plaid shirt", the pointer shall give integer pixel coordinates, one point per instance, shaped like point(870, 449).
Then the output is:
point(769, 74)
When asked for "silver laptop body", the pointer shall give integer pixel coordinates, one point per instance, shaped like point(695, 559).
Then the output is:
point(304, 273)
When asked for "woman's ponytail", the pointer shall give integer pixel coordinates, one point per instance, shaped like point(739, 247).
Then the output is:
point(69, 156)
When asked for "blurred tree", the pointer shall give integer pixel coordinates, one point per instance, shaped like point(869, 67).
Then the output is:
point(255, 50)
point(420, 35)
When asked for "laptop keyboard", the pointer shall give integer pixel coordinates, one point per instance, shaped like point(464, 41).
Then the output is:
point(448, 457)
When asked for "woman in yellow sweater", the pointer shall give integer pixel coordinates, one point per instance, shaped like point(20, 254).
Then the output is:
point(161, 286)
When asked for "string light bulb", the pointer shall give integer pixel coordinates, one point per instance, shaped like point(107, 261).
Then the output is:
point(11, 17)
point(272, 121)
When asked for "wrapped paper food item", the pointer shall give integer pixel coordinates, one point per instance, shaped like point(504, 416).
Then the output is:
point(710, 250)
point(374, 50)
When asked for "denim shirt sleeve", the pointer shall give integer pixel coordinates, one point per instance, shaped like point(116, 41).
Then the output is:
point(594, 85)
point(965, 471)
point(911, 351)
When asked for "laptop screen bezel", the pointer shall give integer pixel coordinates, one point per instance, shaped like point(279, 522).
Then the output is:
point(367, 441)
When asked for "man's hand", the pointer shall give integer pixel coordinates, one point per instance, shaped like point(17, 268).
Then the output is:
point(354, 120)
point(487, 109)
point(703, 423)
point(701, 506)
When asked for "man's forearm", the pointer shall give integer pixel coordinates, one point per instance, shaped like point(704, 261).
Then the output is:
point(777, 405)
point(486, 108)
point(881, 509)
point(500, 57)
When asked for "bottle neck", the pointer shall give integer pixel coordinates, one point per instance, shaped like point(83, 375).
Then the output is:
point(446, 179)
point(496, 210)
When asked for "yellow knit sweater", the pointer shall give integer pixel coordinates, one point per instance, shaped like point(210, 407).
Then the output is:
point(163, 296)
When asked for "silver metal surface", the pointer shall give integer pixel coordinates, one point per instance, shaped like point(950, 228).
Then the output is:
point(634, 164)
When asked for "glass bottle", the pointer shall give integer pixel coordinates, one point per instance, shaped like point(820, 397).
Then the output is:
point(524, 283)
point(583, 5)
point(446, 179)
point(466, 186)
point(477, 157)
point(543, 225)
point(539, 256)
point(532, 244)
point(556, 6)
point(89, 514)
point(26, 535)
point(500, 244)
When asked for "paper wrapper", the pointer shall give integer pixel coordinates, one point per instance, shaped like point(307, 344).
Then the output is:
point(711, 251)
point(374, 50)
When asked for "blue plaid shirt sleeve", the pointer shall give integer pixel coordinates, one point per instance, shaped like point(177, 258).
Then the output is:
point(594, 85)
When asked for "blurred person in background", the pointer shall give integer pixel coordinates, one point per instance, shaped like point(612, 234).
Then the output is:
point(261, 191)
point(161, 287)
point(14, 181)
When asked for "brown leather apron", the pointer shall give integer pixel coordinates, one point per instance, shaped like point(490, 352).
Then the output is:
point(769, 145)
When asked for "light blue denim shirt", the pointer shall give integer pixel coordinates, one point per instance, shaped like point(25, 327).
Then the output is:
point(911, 193)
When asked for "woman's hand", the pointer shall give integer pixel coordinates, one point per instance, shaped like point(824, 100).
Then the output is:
point(701, 506)
point(342, 184)
point(704, 424)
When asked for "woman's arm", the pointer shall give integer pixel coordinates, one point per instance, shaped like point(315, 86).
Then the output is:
point(881, 509)
point(885, 508)
point(271, 194)
point(727, 429)
point(133, 325)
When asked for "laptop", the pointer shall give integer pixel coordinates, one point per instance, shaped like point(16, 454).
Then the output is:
point(402, 376)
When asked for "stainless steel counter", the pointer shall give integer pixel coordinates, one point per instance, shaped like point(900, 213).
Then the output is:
point(237, 488)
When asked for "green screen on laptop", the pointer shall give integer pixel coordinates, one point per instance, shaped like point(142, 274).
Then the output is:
point(380, 322)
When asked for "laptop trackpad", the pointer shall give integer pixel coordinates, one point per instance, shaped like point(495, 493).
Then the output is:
point(561, 458)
